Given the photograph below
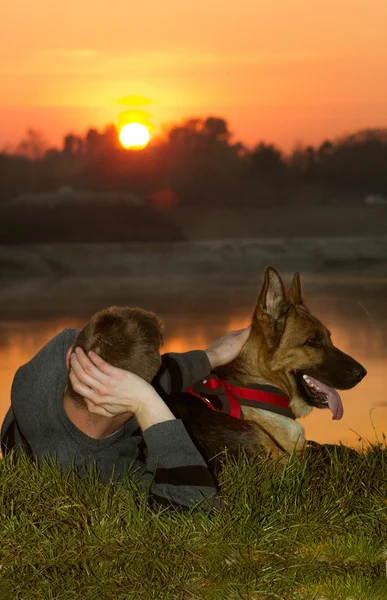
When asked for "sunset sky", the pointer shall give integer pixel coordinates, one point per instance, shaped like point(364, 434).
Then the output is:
point(277, 70)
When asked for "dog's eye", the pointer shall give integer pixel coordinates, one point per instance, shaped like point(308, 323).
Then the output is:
point(313, 341)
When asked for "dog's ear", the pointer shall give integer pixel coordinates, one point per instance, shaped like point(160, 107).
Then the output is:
point(272, 302)
point(295, 290)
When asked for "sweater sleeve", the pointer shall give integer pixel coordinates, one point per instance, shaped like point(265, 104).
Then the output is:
point(177, 472)
point(11, 437)
point(178, 372)
point(7, 432)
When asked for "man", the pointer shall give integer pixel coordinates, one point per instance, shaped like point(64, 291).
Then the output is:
point(49, 415)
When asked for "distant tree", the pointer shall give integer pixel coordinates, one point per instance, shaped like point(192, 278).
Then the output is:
point(217, 129)
point(92, 138)
point(197, 162)
point(325, 151)
point(203, 163)
point(17, 174)
point(304, 163)
point(195, 135)
point(359, 161)
point(109, 138)
point(33, 145)
point(267, 163)
point(186, 137)
point(73, 145)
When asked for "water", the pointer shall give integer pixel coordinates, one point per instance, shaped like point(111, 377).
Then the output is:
point(356, 314)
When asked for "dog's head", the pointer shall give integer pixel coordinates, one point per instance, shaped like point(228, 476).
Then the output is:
point(297, 351)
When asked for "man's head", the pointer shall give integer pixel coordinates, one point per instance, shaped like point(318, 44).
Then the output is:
point(127, 338)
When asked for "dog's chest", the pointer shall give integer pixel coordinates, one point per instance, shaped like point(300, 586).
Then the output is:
point(288, 433)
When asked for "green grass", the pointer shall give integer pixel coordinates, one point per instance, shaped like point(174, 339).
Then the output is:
point(304, 532)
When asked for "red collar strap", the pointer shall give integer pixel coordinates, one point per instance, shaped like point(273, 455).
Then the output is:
point(227, 396)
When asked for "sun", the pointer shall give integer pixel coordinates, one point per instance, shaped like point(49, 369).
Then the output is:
point(134, 135)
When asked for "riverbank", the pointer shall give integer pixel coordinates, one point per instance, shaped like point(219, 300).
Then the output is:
point(54, 278)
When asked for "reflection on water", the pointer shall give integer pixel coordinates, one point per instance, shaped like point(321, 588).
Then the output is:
point(358, 326)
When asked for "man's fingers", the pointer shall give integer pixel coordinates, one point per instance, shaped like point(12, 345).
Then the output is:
point(243, 336)
point(103, 410)
point(97, 410)
point(244, 329)
point(94, 403)
point(81, 388)
point(102, 364)
point(78, 386)
point(241, 331)
point(245, 332)
point(88, 366)
point(85, 377)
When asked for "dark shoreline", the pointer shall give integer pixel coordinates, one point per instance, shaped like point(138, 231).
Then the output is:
point(56, 279)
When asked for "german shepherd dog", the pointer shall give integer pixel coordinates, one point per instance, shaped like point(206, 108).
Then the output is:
point(289, 357)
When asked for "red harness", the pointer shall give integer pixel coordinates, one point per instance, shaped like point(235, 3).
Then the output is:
point(227, 396)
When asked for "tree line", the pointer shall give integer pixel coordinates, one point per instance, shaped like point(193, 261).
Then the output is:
point(195, 163)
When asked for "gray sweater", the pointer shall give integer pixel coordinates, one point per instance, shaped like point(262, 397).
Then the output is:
point(163, 459)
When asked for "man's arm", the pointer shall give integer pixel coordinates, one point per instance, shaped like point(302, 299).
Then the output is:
point(180, 371)
point(176, 471)
point(179, 474)
point(7, 438)
point(11, 436)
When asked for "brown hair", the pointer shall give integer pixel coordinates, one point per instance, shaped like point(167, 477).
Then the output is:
point(127, 338)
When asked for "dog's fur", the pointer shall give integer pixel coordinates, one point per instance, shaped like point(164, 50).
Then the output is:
point(285, 342)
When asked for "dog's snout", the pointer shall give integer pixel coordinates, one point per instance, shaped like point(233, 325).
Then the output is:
point(359, 374)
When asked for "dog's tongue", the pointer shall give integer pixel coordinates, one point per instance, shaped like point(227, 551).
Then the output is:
point(334, 400)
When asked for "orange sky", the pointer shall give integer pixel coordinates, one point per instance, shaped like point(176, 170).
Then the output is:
point(278, 70)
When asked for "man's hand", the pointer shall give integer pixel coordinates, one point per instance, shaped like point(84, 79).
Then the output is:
point(227, 347)
point(109, 391)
